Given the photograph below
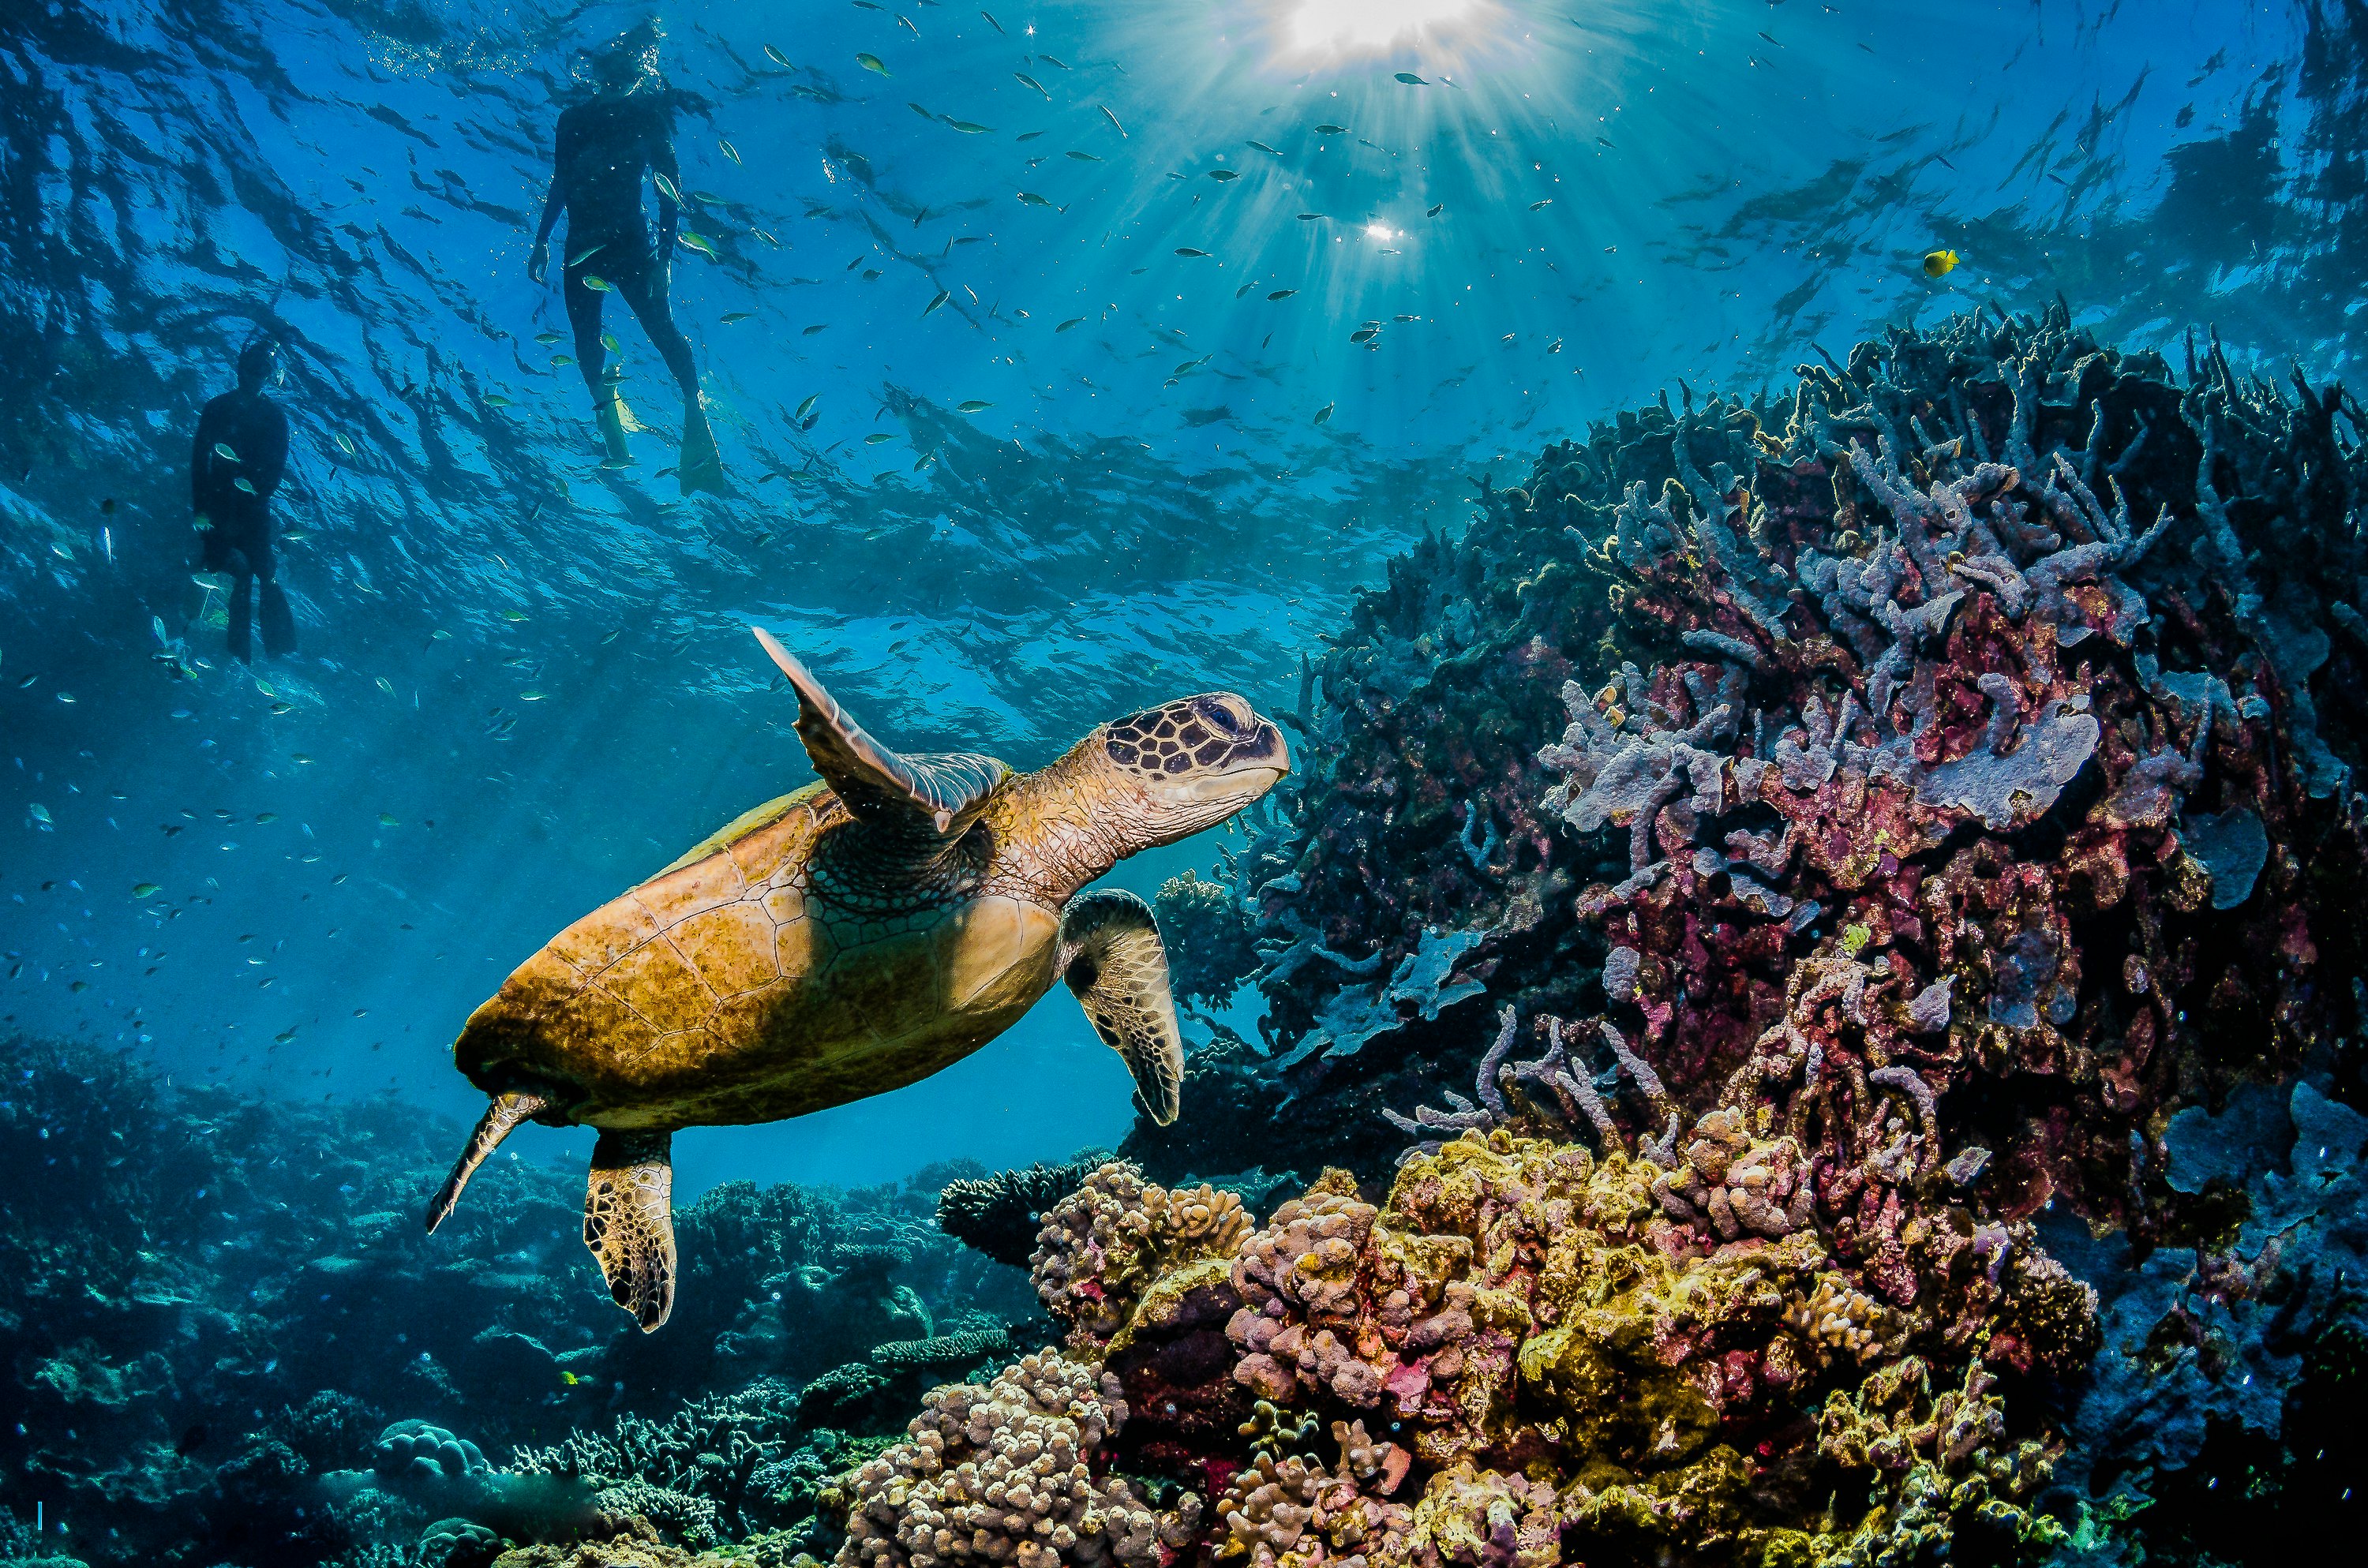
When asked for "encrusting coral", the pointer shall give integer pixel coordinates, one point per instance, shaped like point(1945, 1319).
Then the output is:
point(1102, 1246)
point(1003, 1473)
point(1648, 1326)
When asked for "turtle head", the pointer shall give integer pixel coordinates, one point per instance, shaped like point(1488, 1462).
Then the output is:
point(1187, 765)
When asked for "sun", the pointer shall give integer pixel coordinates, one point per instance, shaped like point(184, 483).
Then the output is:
point(1370, 24)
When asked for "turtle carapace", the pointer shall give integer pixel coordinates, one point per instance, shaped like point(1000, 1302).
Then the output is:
point(847, 939)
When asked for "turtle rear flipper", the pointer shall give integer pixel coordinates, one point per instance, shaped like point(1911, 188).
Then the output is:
point(629, 1222)
point(508, 1110)
point(1111, 957)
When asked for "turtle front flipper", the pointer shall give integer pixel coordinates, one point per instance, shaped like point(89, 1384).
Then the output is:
point(629, 1221)
point(1111, 957)
point(941, 794)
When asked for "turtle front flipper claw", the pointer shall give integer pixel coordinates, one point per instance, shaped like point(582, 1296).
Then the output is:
point(629, 1221)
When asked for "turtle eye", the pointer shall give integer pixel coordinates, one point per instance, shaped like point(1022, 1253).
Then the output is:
point(1218, 711)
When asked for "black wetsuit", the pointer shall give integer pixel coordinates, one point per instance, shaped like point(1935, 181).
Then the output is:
point(605, 149)
point(238, 540)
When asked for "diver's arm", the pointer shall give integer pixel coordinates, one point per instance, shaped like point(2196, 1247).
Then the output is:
point(553, 206)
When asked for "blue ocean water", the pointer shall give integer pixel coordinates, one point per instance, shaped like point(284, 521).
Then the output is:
point(1063, 361)
point(1137, 338)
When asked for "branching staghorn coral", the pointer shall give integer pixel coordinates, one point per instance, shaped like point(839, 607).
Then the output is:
point(690, 1474)
point(1463, 1115)
point(944, 1351)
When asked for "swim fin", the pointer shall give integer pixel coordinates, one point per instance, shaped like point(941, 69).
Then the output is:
point(615, 418)
point(278, 622)
point(242, 620)
point(700, 466)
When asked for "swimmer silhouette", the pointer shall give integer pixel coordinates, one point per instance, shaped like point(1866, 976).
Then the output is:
point(240, 453)
point(605, 147)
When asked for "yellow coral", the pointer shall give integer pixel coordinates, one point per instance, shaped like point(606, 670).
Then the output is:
point(1107, 1243)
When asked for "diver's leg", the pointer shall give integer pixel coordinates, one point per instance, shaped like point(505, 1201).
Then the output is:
point(278, 622)
point(701, 467)
point(198, 597)
point(592, 360)
point(583, 320)
point(645, 289)
point(241, 617)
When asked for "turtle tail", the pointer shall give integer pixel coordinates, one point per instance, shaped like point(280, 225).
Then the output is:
point(509, 1107)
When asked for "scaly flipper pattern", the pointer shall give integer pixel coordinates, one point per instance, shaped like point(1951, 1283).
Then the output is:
point(629, 1222)
point(1111, 957)
point(506, 1111)
point(940, 792)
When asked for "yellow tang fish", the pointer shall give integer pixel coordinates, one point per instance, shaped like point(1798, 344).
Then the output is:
point(1940, 263)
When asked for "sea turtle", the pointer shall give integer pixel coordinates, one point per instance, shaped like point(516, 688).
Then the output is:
point(849, 938)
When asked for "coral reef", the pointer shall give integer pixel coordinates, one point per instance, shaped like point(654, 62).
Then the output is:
point(1959, 785)
point(223, 1307)
point(1000, 1214)
point(1003, 1473)
point(1102, 1247)
point(1993, 657)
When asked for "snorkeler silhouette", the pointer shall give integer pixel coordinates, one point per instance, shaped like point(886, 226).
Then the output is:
point(236, 462)
point(605, 147)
